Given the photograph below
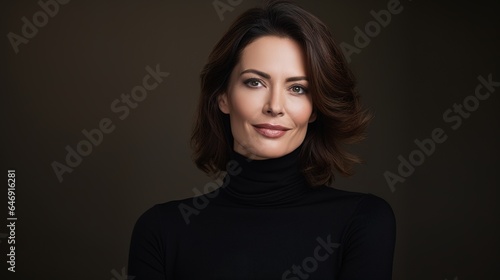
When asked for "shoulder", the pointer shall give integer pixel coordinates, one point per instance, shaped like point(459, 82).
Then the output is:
point(364, 202)
point(376, 212)
point(350, 198)
point(161, 216)
point(369, 236)
point(360, 206)
point(371, 215)
point(154, 238)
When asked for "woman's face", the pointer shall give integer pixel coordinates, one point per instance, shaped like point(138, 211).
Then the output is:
point(267, 99)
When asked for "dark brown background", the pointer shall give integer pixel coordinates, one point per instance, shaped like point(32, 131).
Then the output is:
point(65, 78)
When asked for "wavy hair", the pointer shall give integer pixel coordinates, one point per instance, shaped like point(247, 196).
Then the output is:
point(340, 120)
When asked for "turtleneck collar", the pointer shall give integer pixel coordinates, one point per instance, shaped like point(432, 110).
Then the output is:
point(268, 182)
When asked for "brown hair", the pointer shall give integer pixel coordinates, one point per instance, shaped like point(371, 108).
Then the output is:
point(340, 117)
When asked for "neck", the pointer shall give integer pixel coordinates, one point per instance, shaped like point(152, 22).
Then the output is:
point(267, 182)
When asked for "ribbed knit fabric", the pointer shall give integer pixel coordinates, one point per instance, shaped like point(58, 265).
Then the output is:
point(265, 222)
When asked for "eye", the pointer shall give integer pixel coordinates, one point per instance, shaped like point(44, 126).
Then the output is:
point(298, 89)
point(253, 83)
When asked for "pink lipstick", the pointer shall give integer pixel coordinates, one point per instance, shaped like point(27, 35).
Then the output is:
point(270, 130)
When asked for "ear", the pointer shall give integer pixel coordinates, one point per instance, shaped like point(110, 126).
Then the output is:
point(313, 116)
point(223, 103)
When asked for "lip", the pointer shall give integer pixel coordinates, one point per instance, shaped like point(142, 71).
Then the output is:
point(271, 130)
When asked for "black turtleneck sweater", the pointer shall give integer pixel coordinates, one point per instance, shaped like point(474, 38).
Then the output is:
point(264, 222)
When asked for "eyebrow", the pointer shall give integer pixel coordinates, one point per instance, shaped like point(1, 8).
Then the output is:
point(267, 76)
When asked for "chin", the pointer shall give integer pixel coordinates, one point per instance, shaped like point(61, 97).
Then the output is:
point(268, 152)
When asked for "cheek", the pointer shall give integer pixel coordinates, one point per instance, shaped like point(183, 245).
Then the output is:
point(300, 111)
point(245, 105)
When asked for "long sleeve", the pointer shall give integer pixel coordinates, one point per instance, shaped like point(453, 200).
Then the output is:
point(226, 238)
point(370, 241)
point(146, 259)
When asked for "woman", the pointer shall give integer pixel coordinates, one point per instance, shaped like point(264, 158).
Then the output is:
point(278, 105)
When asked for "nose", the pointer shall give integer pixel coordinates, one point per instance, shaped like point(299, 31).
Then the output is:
point(274, 105)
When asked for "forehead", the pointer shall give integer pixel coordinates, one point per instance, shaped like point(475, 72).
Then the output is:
point(272, 54)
